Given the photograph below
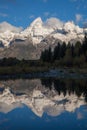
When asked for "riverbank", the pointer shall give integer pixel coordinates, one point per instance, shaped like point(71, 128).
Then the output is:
point(41, 72)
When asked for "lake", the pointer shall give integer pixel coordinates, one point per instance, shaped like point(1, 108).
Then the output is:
point(42, 104)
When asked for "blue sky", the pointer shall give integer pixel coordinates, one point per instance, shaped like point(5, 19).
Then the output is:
point(23, 12)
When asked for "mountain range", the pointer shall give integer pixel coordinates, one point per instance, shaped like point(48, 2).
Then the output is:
point(28, 43)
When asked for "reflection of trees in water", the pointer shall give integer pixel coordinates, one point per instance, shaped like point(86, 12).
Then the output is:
point(70, 86)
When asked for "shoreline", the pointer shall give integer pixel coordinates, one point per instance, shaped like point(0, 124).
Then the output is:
point(50, 73)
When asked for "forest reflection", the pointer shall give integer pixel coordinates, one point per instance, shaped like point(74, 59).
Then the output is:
point(67, 86)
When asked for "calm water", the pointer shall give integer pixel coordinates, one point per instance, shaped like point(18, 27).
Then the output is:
point(42, 104)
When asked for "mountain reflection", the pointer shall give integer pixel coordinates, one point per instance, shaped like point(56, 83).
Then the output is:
point(51, 96)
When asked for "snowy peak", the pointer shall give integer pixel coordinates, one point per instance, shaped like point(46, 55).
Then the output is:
point(37, 31)
point(7, 32)
point(70, 27)
point(36, 22)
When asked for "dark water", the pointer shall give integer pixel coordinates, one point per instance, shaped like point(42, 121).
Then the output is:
point(42, 104)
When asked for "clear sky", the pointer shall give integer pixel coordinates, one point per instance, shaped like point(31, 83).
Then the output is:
point(23, 12)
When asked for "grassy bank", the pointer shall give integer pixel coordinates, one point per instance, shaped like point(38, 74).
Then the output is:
point(11, 70)
point(19, 70)
point(13, 66)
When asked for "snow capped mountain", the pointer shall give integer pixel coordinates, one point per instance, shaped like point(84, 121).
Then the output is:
point(39, 30)
point(70, 27)
point(7, 32)
point(68, 32)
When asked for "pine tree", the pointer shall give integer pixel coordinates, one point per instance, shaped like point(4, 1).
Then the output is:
point(68, 59)
point(63, 50)
point(56, 53)
point(49, 54)
point(77, 49)
point(84, 45)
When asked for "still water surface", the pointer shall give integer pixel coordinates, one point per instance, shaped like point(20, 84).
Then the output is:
point(42, 104)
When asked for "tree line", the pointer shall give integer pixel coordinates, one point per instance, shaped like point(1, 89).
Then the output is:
point(67, 86)
point(67, 54)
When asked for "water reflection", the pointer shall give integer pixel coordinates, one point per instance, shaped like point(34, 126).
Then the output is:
point(50, 96)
